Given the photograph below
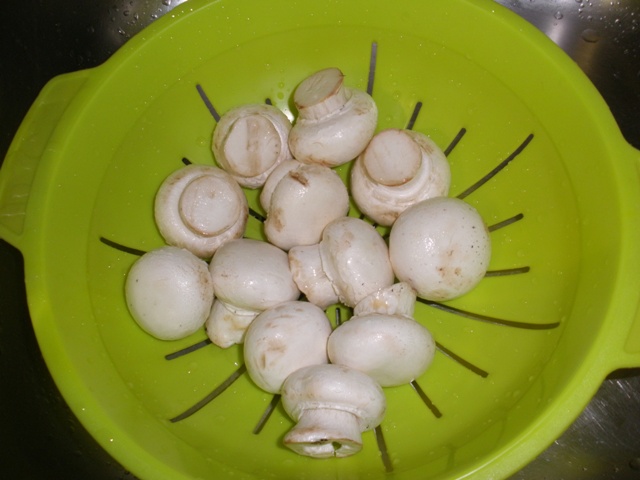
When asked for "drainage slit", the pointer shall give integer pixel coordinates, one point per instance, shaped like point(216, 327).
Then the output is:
point(189, 349)
point(372, 67)
point(122, 248)
point(207, 102)
point(497, 169)
point(465, 363)
point(427, 401)
point(382, 446)
point(267, 414)
point(216, 392)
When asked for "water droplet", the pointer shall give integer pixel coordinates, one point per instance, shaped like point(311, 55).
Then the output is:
point(558, 15)
point(166, 2)
point(590, 35)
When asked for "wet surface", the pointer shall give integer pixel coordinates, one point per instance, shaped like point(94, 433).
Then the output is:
point(40, 438)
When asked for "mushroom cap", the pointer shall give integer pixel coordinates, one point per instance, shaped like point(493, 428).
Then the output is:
point(398, 299)
point(282, 339)
point(304, 201)
point(355, 258)
point(398, 169)
point(441, 247)
point(392, 349)
point(250, 141)
point(226, 324)
point(334, 387)
point(200, 207)
point(335, 123)
point(310, 277)
point(252, 275)
point(169, 292)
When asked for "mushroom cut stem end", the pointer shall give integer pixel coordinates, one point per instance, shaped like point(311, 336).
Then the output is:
point(324, 433)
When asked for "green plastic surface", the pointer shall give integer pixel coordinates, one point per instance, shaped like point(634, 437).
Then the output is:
point(97, 144)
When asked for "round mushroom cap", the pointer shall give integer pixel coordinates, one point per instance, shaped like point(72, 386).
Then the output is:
point(283, 339)
point(252, 275)
point(334, 387)
point(392, 349)
point(355, 257)
point(441, 247)
point(200, 207)
point(303, 203)
point(250, 141)
point(169, 292)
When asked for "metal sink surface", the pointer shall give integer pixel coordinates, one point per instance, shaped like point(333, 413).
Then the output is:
point(40, 438)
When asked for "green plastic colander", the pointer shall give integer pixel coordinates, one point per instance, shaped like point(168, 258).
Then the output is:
point(519, 357)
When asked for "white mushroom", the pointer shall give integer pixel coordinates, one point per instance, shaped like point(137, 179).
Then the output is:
point(392, 349)
point(335, 122)
point(352, 259)
point(249, 276)
point(441, 247)
point(199, 208)
point(250, 141)
point(332, 405)
point(169, 292)
point(398, 299)
point(398, 169)
point(300, 200)
point(283, 339)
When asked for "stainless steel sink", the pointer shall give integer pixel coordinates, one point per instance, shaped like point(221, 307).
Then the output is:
point(40, 438)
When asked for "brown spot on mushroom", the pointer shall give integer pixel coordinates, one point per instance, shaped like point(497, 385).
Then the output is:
point(299, 177)
point(275, 219)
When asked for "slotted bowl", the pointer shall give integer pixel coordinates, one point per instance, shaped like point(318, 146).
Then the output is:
point(531, 145)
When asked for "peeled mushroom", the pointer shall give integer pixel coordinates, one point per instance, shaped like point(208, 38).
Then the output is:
point(335, 122)
point(332, 405)
point(283, 339)
point(300, 200)
point(351, 260)
point(250, 141)
point(398, 169)
point(441, 247)
point(249, 276)
point(169, 292)
point(199, 208)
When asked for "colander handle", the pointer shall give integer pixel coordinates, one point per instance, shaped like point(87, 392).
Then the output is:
point(23, 160)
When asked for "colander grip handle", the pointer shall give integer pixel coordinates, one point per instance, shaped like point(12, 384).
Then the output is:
point(23, 159)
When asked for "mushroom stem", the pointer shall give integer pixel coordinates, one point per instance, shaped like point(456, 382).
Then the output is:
point(325, 432)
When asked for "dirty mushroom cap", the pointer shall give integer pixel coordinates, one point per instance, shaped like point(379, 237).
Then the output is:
point(335, 122)
point(283, 339)
point(303, 202)
point(332, 404)
point(398, 169)
point(169, 292)
point(199, 208)
point(250, 141)
point(392, 349)
point(441, 247)
point(252, 275)
point(355, 258)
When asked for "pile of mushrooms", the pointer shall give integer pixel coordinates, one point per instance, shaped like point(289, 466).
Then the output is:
point(271, 295)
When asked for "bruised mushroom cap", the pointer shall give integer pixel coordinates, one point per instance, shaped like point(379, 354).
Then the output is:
point(355, 258)
point(169, 292)
point(199, 208)
point(398, 169)
point(392, 349)
point(301, 202)
point(332, 405)
point(441, 247)
point(335, 122)
point(283, 339)
point(250, 141)
point(252, 275)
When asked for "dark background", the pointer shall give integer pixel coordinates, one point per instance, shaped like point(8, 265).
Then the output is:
point(41, 439)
